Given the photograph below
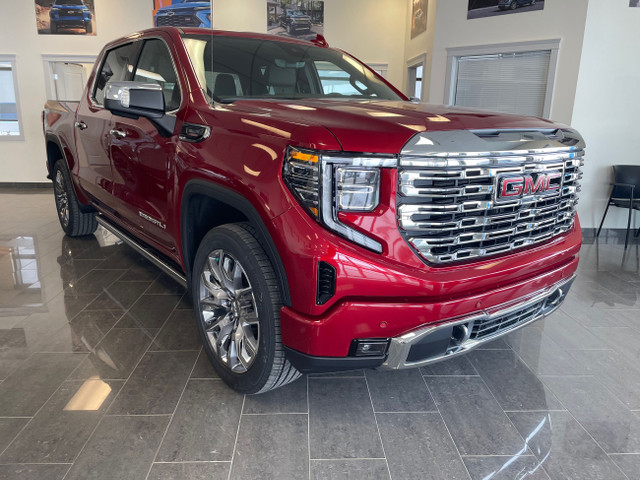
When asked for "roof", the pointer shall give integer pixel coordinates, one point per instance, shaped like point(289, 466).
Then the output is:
point(258, 36)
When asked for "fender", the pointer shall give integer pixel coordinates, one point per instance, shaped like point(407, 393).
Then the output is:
point(82, 199)
point(240, 203)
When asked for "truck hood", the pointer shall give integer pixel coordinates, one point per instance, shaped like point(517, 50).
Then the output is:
point(69, 7)
point(382, 126)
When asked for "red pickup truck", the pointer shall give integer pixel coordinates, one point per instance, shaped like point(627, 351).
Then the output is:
point(321, 220)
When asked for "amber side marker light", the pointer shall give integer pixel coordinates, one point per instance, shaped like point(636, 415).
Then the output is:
point(304, 157)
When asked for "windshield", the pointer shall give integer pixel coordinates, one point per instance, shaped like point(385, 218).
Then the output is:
point(232, 68)
point(69, 2)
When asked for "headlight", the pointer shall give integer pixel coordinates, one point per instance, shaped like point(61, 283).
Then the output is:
point(327, 184)
point(203, 14)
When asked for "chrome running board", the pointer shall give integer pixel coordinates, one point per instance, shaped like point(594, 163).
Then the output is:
point(146, 252)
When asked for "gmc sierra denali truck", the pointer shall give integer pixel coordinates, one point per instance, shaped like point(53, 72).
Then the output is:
point(320, 219)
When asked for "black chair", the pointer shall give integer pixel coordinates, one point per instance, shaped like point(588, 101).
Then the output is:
point(624, 194)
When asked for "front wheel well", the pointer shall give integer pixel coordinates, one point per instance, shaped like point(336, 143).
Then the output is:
point(205, 206)
point(204, 213)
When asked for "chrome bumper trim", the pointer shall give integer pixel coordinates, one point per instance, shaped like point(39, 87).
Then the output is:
point(549, 298)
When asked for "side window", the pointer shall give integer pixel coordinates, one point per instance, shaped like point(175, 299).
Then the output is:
point(155, 66)
point(117, 66)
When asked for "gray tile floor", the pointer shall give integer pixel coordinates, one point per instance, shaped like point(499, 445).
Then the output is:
point(102, 377)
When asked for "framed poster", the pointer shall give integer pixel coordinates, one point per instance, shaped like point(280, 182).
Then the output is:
point(183, 13)
point(302, 19)
point(491, 8)
point(634, 3)
point(66, 17)
point(418, 17)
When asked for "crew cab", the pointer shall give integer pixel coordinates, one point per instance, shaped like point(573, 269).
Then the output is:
point(321, 220)
point(70, 14)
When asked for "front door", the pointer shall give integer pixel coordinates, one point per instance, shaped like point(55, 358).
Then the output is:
point(93, 123)
point(143, 160)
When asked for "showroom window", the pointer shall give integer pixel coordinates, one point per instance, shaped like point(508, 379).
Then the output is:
point(415, 77)
point(514, 78)
point(380, 68)
point(66, 76)
point(335, 80)
point(10, 124)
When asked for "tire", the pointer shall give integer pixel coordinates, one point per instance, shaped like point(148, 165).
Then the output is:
point(88, 28)
point(230, 260)
point(290, 29)
point(533, 2)
point(514, 5)
point(53, 28)
point(73, 221)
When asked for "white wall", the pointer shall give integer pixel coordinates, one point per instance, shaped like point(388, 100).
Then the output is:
point(372, 30)
point(564, 19)
point(24, 160)
point(420, 45)
point(240, 15)
point(607, 105)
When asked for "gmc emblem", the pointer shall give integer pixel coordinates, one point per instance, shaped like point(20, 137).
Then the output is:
point(511, 187)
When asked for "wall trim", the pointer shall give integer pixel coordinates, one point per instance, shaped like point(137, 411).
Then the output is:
point(47, 59)
point(413, 62)
point(13, 61)
point(26, 185)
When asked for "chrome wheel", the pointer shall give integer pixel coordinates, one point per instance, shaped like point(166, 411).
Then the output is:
point(228, 311)
point(62, 200)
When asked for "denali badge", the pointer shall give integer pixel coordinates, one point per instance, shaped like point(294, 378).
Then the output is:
point(153, 220)
point(512, 187)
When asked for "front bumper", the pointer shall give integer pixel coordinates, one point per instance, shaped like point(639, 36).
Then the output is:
point(71, 22)
point(447, 339)
point(301, 26)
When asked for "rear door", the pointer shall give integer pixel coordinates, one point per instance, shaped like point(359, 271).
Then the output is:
point(143, 160)
point(93, 123)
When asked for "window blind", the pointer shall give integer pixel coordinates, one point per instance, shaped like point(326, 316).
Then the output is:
point(506, 82)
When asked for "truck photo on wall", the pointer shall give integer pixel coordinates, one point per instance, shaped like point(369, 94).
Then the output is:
point(302, 19)
point(66, 17)
point(418, 17)
point(490, 8)
point(182, 13)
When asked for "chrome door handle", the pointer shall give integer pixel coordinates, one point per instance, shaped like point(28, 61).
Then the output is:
point(81, 125)
point(117, 133)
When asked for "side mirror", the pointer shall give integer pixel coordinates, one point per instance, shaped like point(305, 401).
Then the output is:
point(135, 100)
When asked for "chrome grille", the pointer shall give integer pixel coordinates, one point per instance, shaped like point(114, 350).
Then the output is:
point(494, 325)
point(177, 21)
point(448, 207)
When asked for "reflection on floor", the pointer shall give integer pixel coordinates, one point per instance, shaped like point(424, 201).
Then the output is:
point(101, 371)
